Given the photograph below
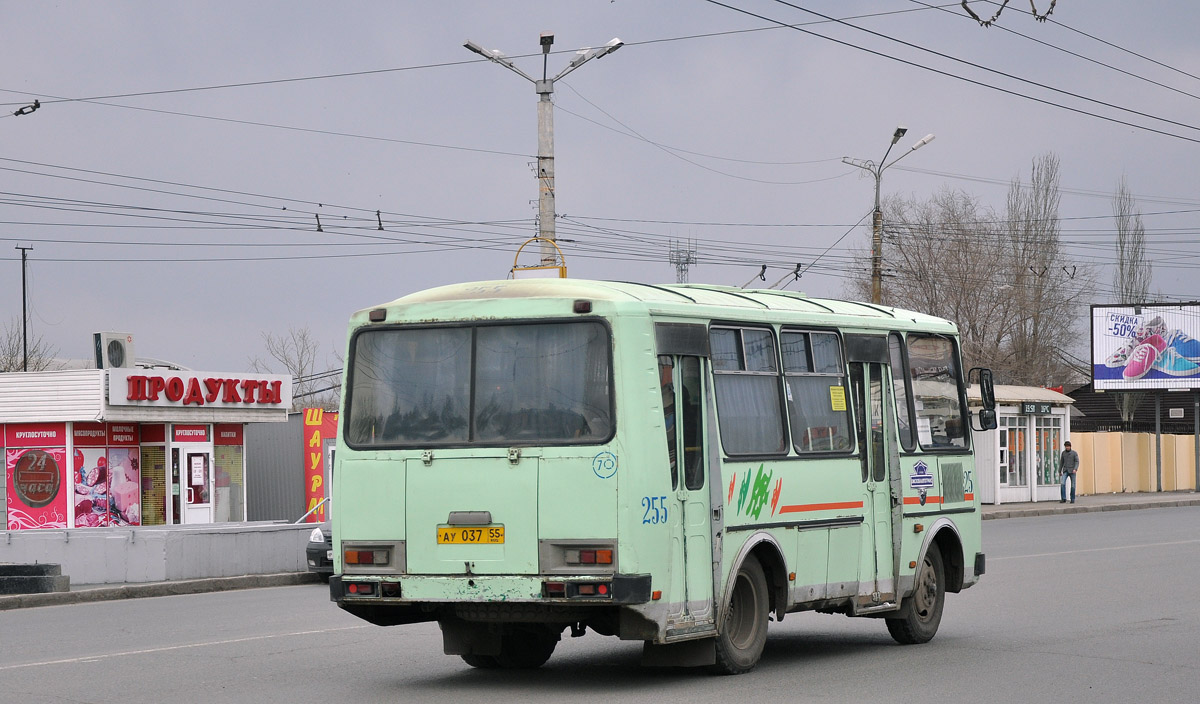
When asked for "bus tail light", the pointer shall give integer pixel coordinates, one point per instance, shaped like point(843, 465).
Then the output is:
point(588, 557)
point(360, 588)
point(573, 590)
point(574, 556)
point(365, 557)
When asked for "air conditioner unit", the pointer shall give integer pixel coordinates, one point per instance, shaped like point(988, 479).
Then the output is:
point(113, 350)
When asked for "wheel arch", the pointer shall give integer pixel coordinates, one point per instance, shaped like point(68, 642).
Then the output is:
point(764, 548)
point(943, 536)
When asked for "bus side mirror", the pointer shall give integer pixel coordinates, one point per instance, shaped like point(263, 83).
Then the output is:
point(987, 397)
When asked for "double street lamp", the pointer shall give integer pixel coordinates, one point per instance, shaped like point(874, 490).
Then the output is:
point(545, 159)
point(876, 170)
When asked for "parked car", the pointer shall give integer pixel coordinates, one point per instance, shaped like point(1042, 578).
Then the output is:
point(320, 551)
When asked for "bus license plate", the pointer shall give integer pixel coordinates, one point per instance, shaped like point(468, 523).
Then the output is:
point(470, 535)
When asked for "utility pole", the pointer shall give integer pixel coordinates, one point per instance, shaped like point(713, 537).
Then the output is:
point(876, 170)
point(24, 312)
point(545, 112)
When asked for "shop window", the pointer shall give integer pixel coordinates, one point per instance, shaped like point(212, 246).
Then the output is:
point(228, 503)
point(154, 485)
point(1013, 437)
point(1048, 449)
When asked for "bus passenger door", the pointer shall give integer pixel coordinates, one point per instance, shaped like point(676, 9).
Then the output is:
point(875, 419)
point(682, 379)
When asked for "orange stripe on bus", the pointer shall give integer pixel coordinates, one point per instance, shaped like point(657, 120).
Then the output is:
point(917, 499)
point(820, 507)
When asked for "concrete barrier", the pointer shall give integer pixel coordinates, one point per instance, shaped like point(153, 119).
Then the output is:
point(162, 553)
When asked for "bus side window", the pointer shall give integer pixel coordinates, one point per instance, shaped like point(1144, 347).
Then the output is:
point(900, 384)
point(666, 380)
point(692, 419)
point(858, 395)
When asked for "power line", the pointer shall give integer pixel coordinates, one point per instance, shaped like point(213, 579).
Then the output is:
point(1065, 51)
point(957, 77)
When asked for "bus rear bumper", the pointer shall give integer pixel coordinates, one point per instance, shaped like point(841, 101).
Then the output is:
point(615, 589)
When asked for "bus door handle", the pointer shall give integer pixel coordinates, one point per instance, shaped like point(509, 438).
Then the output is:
point(717, 515)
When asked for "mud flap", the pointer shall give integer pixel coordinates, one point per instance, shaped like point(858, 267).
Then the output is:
point(689, 653)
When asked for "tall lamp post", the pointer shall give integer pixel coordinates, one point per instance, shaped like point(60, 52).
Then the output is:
point(545, 160)
point(877, 170)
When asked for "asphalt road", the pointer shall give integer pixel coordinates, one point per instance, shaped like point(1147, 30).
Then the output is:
point(1091, 607)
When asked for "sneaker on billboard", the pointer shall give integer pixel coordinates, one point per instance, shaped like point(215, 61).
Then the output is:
point(1186, 346)
point(1170, 362)
point(1121, 354)
point(1153, 326)
point(1141, 361)
point(1157, 342)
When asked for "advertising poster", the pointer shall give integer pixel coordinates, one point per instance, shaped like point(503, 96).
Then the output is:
point(124, 486)
point(1145, 347)
point(320, 429)
point(37, 490)
point(91, 487)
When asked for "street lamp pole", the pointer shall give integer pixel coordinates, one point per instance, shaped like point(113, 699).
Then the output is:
point(545, 159)
point(24, 312)
point(876, 170)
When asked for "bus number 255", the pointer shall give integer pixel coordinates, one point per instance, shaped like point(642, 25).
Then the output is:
point(656, 509)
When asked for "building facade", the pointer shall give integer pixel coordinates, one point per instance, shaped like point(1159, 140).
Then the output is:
point(130, 446)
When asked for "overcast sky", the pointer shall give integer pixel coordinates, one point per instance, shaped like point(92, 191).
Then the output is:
point(186, 214)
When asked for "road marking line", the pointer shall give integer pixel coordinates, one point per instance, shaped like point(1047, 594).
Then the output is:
point(97, 658)
point(1113, 547)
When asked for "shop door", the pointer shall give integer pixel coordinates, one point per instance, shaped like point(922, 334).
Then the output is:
point(196, 485)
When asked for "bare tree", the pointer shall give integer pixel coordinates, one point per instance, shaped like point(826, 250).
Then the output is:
point(1050, 291)
point(12, 350)
point(1005, 281)
point(1131, 278)
point(316, 378)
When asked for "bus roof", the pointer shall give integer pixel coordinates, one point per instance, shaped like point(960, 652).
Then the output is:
point(675, 299)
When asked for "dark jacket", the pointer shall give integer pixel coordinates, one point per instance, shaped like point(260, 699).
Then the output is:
point(1069, 462)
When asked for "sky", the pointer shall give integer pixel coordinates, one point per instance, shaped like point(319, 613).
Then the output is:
point(171, 180)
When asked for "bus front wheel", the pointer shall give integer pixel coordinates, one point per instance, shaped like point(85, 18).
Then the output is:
point(921, 613)
point(741, 640)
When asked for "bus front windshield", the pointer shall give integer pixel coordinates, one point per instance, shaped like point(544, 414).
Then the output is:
point(527, 384)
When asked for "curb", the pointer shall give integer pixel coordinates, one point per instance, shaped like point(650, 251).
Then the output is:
point(1087, 508)
point(134, 591)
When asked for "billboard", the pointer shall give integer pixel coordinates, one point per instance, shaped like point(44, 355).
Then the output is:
point(1152, 346)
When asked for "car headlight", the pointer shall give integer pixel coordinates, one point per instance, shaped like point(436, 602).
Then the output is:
point(316, 536)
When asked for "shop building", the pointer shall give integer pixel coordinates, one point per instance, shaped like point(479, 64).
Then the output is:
point(1018, 461)
point(130, 446)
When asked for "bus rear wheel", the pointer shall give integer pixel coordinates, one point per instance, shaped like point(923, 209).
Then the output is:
point(744, 633)
point(483, 662)
point(921, 613)
point(526, 650)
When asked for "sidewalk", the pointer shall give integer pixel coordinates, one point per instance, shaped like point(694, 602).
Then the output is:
point(1098, 502)
point(107, 592)
point(81, 593)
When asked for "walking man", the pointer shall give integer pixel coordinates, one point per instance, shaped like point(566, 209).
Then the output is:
point(1068, 464)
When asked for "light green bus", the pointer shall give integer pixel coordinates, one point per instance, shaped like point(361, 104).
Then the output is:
point(666, 463)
